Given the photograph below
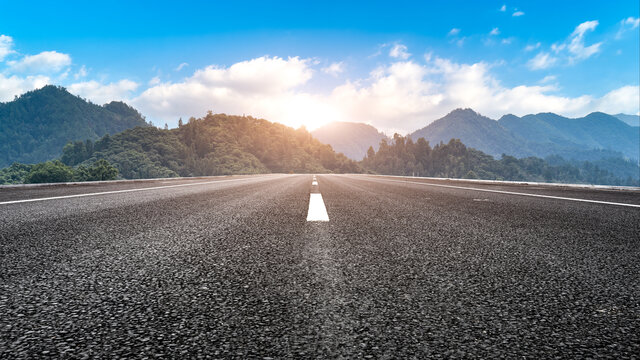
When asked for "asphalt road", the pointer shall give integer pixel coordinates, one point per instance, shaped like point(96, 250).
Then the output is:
point(404, 268)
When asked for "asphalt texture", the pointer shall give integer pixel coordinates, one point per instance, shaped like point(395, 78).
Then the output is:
point(403, 269)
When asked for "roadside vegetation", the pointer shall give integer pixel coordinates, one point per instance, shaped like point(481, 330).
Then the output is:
point(455, 160)
point(56, 171)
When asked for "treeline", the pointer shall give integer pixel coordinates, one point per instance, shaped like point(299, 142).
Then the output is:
point(56, 171)
point(217, 144)
point(223, 145)
point(455, 160)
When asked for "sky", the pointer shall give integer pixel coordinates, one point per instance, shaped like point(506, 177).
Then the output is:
point(397, 65)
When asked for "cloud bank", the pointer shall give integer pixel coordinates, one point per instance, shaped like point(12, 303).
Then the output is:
point(400, 94)
point(399, 97)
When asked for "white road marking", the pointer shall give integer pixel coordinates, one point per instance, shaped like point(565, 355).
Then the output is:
point(314, 183)
point(516, 193)
point(122, 191)
point(529, 183)
point(317, 210)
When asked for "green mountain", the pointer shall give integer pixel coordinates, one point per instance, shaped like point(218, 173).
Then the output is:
point(213, 145)
point(548, 133)
point(475, 131)
point(351, 139)
point(35, 126)
point(594, 137)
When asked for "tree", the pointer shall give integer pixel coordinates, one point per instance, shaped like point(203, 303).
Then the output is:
point(49, 172)
point(166, 126)
point(100, 170)
point(371, 153)
point(471, 175)
point(180, 123)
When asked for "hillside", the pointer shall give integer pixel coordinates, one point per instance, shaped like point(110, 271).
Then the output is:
point(633, 120)
point(474, 130)
point(554, 134)
point(594, 137)
point(214, 145)
point(455, 160)
point(351, 139)
point(35, 126)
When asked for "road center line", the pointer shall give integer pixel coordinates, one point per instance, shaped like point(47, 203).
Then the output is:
point(317, 210)
point(123, 191)
point(516, 193)
point(314, 183)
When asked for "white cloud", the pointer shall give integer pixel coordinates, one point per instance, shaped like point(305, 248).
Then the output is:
point(495, 31)
point(624, 99)
point(541, 61)
point(584, 27)
point(402, 95)
point(631, 21)
point(576, 41)
point(15, 85)
point(507, 41)
point(6, 43)
point(503, 8)
point(548, 79)
point(334, 69)
point(263, 87)
point(81, 73)
point(627, 24)
point(532, 47)
point(103, 93)
point(518, 13)
point(63, 76)
point(399, 51)
point(454, 32)
point(182, 66)
point(406, 96)
point(154, 81)
point(572, 50)
point(44, 62)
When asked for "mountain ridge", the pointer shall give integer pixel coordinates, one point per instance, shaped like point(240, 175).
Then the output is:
point(339, 135)
point(36, 125)
point(474, 130)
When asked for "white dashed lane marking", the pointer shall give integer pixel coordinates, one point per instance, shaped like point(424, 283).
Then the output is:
point(317, 210)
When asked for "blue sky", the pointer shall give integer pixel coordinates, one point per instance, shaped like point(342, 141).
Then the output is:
point(397, 65)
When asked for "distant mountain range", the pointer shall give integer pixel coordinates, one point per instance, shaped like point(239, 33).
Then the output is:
point(351, 139)
point(35, 126)
point(633, 120)
point(594, 136)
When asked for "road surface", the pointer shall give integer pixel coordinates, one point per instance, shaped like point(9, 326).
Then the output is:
point(393, 268)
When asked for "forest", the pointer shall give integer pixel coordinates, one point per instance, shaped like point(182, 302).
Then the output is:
point(455, 160)
point(55, 171)
point(223, 144)
point(36, 125)
point(213, 145)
